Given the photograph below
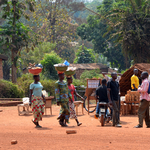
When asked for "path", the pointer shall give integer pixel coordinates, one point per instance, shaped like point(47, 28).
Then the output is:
point(90, 136)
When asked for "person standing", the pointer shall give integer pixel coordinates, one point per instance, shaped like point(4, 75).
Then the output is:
point(135, 81)
point(143, 112)
point(36, 100)
point(113, 96)
point(71, 101)
point(62, 95)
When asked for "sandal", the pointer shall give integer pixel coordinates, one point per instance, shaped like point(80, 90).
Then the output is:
point(34, 122)
point(79, 124)
point(38, 126)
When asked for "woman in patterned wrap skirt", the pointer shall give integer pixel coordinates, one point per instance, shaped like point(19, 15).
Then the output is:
point(36, 100)
point(62, 96)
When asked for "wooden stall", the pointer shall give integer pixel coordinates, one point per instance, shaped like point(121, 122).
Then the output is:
point(92, 85)
point(131, 103)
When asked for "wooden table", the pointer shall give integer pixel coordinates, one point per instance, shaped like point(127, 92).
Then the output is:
point(49, 103)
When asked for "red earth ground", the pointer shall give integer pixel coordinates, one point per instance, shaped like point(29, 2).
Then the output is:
point(90, 136)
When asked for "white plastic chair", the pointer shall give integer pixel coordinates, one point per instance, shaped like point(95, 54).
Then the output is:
point(24, 105)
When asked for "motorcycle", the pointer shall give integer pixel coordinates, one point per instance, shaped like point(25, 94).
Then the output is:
point(104, 117)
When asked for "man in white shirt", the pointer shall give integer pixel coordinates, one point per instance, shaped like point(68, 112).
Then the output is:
point(108, 78)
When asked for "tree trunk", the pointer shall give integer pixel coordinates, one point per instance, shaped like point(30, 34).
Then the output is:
point(14, 68)
point(13, 54)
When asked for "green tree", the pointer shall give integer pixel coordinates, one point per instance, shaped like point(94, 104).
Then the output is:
point(14, 34)
point(131, 28)
point(102, 59)
point(48, 65)
point(95, 30)
point(36, 55)
point(84, 55)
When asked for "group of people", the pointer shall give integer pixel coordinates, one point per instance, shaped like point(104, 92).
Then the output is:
point(64, 94)
point(107, 92)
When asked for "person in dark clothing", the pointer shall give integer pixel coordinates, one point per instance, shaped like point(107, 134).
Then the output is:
point(113, 96)
point(101, 94)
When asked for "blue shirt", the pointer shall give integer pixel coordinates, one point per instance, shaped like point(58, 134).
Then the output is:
point(37, 89)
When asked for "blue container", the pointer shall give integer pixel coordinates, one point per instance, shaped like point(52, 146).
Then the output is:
point(66, 63)
point(39, 65)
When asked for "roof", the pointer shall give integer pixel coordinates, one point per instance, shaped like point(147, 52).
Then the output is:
point(125, 82)
point(111, 70)
point(3, 57)
point(89, 66)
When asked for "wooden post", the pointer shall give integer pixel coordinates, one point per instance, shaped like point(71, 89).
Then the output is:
point(88, 104)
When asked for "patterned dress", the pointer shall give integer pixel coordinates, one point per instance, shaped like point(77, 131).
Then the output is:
point(62, 95)
point(37, 103)
point(71, 104)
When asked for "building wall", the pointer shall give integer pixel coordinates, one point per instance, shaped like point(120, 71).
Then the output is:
point(1, 69)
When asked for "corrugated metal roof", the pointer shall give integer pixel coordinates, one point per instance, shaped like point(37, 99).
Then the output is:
point(89, 66)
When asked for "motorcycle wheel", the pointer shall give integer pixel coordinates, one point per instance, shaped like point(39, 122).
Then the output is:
point(102, 120)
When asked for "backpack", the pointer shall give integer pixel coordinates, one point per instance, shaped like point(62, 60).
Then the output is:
point(148, 88)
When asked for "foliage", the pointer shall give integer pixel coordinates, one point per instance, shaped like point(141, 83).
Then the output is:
point(94, 31)
point(25, 81)
point(67, 52)
point(130, 24)
point(91, 74)
point(10, 90)
point(48, 65)
point(37, 54)
point(84, 55)
point(13, 33)
point(81, 16)
point(101, 59)
point(48, 85)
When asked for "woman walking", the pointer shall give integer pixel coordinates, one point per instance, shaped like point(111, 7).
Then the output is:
point(71, 101)
point(36, 100)
point(62, 95)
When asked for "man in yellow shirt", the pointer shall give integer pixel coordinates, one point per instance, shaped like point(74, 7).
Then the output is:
point(135, 81)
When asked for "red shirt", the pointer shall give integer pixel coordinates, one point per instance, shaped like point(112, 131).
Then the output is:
point(71, 89)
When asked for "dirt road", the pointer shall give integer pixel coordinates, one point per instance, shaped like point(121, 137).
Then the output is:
point(90, 136)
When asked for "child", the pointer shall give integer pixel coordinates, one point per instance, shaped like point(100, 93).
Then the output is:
point(71, 101)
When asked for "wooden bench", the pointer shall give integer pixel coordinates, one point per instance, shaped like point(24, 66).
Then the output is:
point(49, 104)
point(77, 104)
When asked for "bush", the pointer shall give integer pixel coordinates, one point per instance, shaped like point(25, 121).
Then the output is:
point(10, 90)
point(48, 85)
point(25, 81)
point(77, 82)
point(48, 65)
point(84, 55)
point(91, 74)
